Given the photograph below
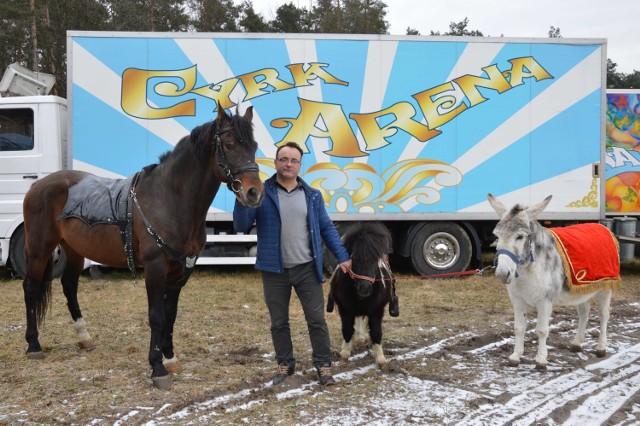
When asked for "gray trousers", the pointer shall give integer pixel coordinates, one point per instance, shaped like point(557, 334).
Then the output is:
point(277, 294)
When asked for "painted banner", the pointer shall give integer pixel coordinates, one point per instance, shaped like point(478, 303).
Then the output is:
point(389, 124)
point(623, 152)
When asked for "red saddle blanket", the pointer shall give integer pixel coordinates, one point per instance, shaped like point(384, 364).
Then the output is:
point(591, 258)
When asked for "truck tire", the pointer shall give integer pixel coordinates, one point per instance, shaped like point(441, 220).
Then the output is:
point(441, 248)
point(19, 257)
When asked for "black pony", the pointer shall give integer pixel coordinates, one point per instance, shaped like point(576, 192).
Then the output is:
point(157, 215)
point(363, 293)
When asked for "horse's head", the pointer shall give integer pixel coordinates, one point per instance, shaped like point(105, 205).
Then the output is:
point(514, 236)
point(235, 155)
point(368, 243)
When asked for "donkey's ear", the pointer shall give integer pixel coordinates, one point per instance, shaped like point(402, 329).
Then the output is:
point(248, 114)
point(535, 210)
point(497, 205)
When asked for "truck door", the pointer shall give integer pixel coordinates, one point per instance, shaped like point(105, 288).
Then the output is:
point(19, 162)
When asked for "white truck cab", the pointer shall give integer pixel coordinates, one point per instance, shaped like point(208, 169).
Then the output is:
point(33, 144)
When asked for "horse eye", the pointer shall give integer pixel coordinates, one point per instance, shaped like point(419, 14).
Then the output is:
point(519, 237)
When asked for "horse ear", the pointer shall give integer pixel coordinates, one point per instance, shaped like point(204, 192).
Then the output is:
point(222, 115)
point(248, 114)
point(535, 210)
point(497, 205)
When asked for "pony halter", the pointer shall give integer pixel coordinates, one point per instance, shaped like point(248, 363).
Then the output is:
point(234, 185)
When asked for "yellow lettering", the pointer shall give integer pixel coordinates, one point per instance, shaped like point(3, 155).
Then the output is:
point(220, 92)
point(134, 92)
point(375, 136)
point(470, 83)
point(302, 77)
point(257, 82)
point(442, 109)
point(336, 127)
point(525, 67)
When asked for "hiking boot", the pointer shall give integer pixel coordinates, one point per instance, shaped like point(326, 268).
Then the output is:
point(394, 306)
point(324, 375)
point(284, 369)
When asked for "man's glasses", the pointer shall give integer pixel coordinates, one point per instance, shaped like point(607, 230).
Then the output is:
point(285, 160)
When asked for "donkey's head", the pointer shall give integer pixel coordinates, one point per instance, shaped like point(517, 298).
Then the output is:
point(513, 233)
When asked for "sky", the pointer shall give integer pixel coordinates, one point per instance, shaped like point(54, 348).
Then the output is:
point(616, 21)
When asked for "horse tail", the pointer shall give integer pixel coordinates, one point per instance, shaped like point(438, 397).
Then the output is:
point(44, 293)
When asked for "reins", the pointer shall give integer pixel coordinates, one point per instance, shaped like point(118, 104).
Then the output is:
point(372, 280)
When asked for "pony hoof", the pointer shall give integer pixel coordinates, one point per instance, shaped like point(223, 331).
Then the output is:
point(601, 353)
point(35, 355)
point(87, 345)
point(575, 348)
point(513, 363)
point(162, 383)
point(173, 367)
point(344, 356)
point(541, 367)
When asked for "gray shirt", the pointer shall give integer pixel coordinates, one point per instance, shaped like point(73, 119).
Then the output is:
point(294, 234)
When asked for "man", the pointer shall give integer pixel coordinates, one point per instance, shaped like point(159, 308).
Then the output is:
point(292, 222)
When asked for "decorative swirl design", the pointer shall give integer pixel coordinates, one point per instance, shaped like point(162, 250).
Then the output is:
point(359, 187)
point(589, 200)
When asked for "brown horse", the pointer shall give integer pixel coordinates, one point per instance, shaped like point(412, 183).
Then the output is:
point(159, 219)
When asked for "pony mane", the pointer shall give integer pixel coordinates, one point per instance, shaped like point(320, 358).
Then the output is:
point(367, 241)
point(202, 135)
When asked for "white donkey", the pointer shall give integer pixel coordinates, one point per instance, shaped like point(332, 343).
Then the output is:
point(528, 262)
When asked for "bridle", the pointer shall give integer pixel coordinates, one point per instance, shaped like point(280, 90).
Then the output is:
point(234, 185)
point(517, 260)
point(382, 267)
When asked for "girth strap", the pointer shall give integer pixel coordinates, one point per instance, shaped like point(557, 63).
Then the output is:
point(187, 261)
point(126, 227)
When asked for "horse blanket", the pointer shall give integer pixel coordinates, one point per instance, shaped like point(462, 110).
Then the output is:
point(590, 254)
point(98, 200)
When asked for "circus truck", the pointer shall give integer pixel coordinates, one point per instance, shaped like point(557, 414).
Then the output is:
point(411, 131)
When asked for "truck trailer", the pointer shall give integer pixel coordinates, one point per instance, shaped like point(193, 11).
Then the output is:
point(411, 131)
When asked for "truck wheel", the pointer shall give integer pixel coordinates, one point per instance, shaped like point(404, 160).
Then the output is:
point(440, 248)
point(19, 257)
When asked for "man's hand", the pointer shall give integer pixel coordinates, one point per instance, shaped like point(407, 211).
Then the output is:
point(345, 266)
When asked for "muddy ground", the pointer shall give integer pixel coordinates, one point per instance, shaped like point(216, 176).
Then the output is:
point(447, 360)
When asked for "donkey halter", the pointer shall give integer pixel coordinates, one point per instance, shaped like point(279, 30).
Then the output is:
point(518, 261)
point(234, 185)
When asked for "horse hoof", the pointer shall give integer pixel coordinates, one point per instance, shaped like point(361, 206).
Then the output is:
point(162, 383)
point(173, 367)
point(513, 363)
point(87, 345)
point(35, 355)
point(575, 348)
point(541, 367)
point(344, 356)
point(601, 353)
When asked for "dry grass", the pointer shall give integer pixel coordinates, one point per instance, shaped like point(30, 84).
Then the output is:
point(222, 337)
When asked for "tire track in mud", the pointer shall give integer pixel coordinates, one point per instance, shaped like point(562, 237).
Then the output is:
point(571, 392)
point(614, 379)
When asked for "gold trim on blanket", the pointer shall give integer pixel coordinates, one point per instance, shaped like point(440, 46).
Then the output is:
point(585, 287)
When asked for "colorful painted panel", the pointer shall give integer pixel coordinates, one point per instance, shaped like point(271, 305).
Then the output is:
point(390, 125)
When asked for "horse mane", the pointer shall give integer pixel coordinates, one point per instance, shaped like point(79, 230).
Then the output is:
point(202, 135)
point(367, 241)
